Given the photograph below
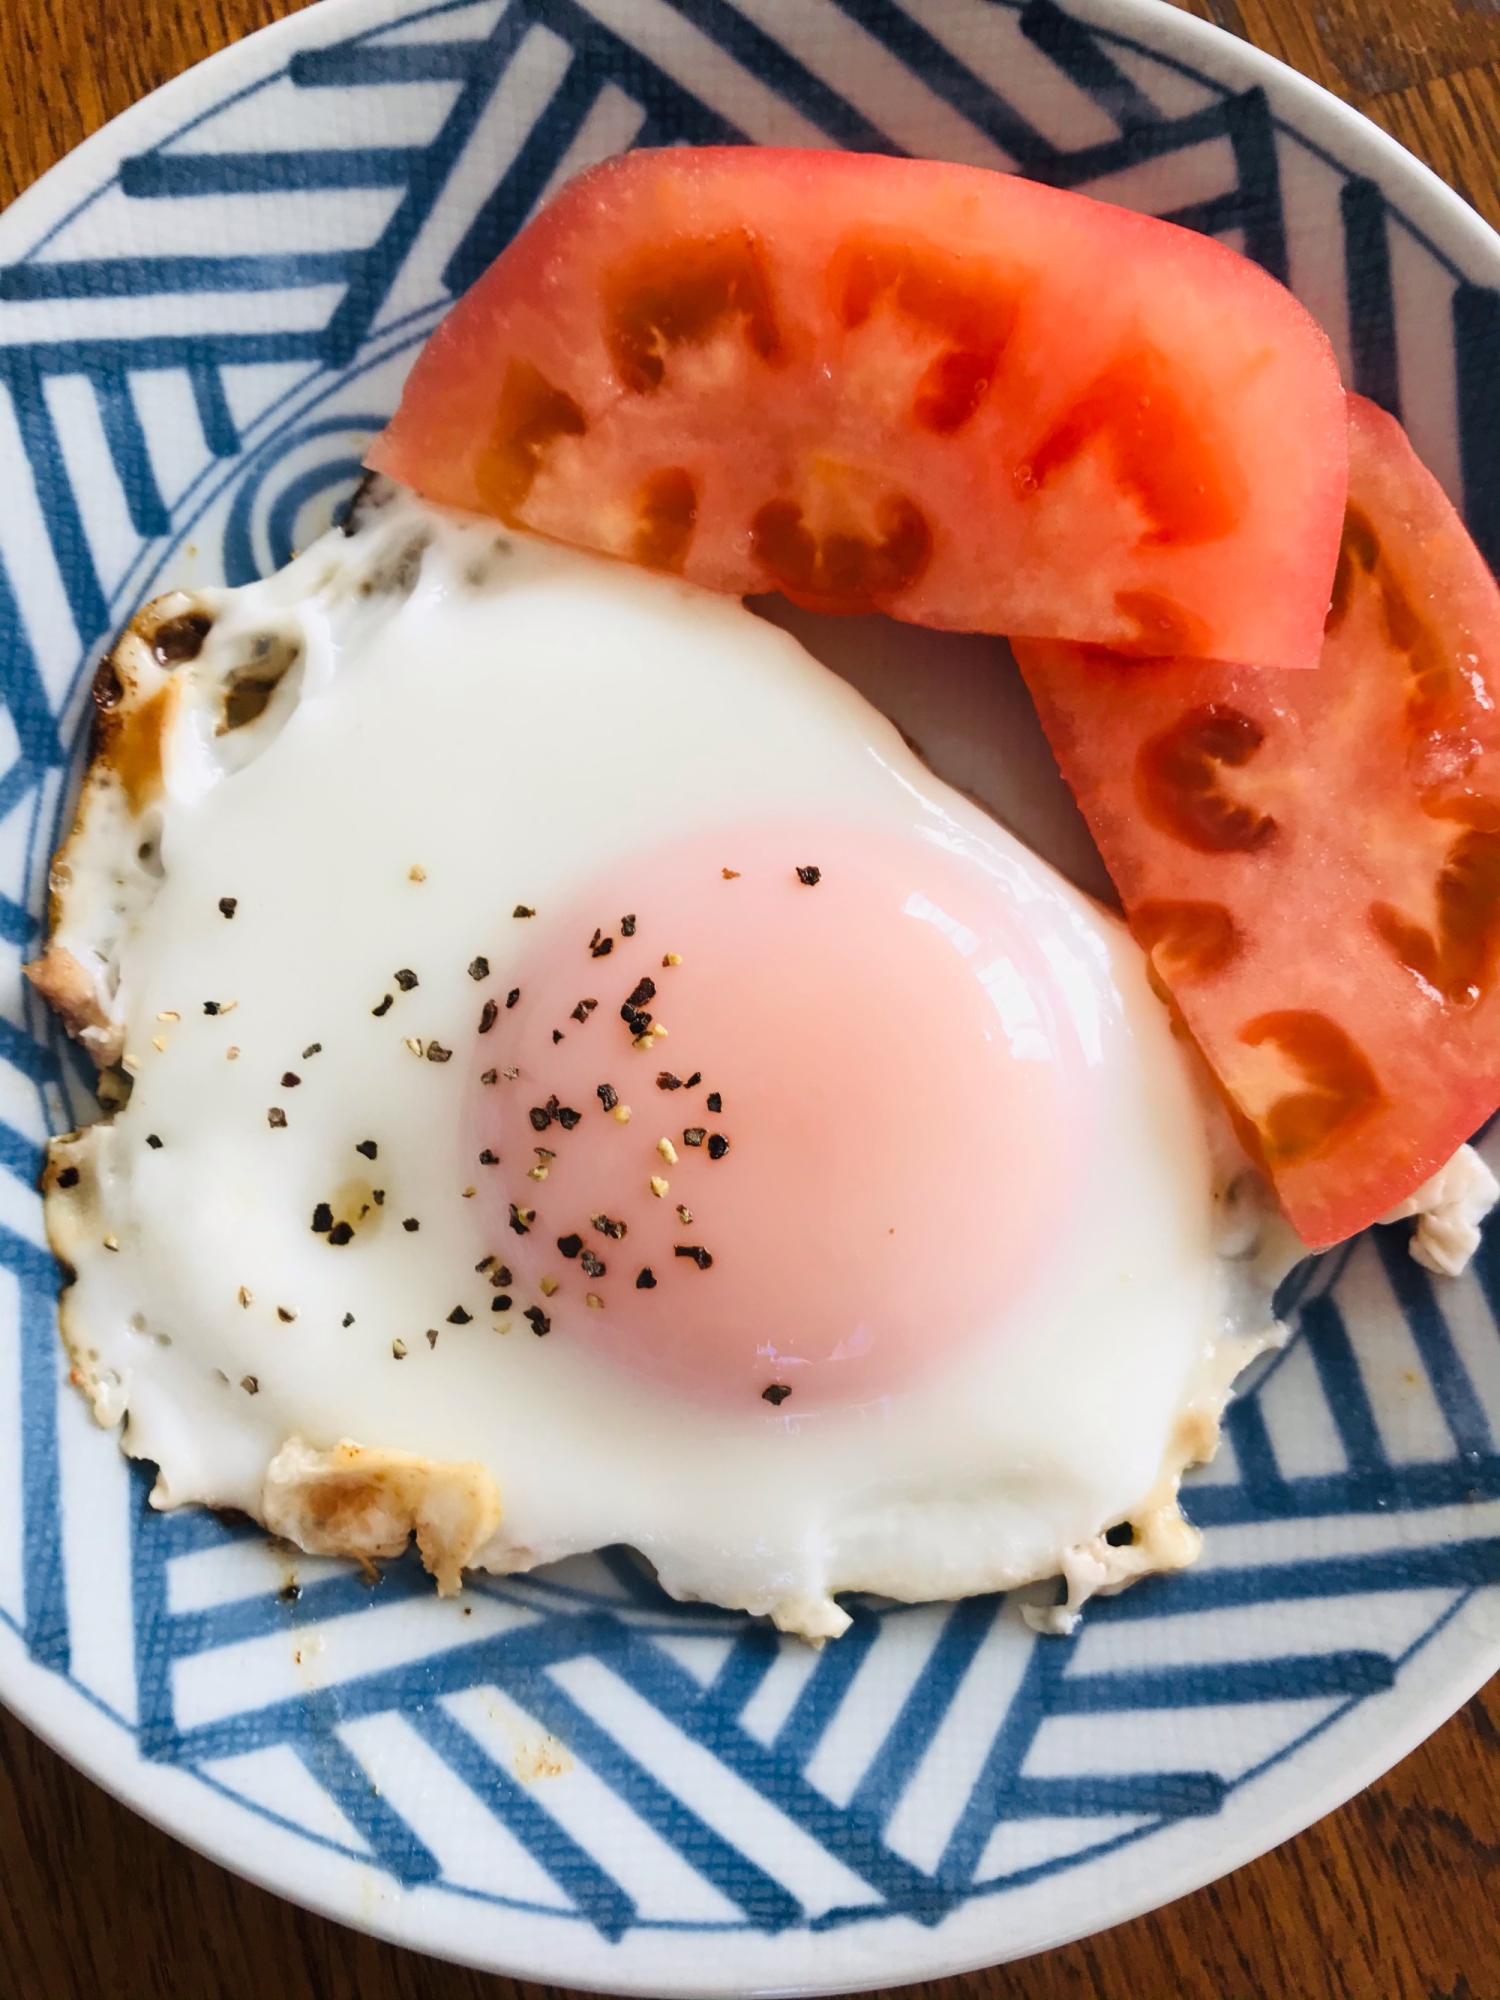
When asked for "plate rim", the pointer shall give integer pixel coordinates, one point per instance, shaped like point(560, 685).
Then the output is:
point(63, 1715)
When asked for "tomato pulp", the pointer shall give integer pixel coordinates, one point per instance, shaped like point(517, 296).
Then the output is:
point(945, 393)
point(1312, 861)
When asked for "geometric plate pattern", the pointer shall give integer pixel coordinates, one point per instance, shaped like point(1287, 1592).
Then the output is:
point(202, 320)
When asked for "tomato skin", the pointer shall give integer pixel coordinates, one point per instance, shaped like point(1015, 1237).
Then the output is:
point(1323, 911)
point(947, 393)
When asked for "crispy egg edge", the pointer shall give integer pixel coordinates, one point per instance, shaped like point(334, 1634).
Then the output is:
point(351, 1500)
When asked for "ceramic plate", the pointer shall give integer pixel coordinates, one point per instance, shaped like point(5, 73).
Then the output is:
point(204, 313)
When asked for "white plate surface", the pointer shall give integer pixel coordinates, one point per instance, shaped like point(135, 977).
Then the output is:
point(204, 313)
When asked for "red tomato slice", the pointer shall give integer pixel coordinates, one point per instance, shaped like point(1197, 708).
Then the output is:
point(950, 394)
point(1313, 862)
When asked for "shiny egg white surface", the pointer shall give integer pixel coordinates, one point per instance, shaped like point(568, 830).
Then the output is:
point(572, 1039)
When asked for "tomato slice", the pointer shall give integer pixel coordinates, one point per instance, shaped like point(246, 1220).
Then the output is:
point(1313, 861)
point(946, 393)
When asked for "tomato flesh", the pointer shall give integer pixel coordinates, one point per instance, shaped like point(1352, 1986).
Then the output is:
point(1312, 862)
point(946, 393)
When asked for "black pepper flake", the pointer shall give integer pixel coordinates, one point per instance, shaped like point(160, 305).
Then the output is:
point(153, 1142)
point(250, 1384)
point(490, 1076)
point(285, 1315)
point(1120, 1536)
point(368, 1147)
point(385, 1006)
point(479, 968)
point(593, 1268)
point(312, 1049)
point(276, 1118)
point(437, 1053)
point(567, 1117)
point(696, 1077)
point(777, 1393)
point(584, 1008)
point(485, 1262)
point(289, 1079)
point(810, 877)
point(489, 1159)
point(570, 1245)
point(521, 911)
point(714, 1101)
point(228, 905)
point(379, 1196)
point(556, 1035)
point(718, 1146)
point(348, 1319)
point(500, 1275)
point(645, 1279)
point(406, 979)
point(695, 1135)
point(68, 1177)
point(696, 1251)
point(540, 1323)
point(289, 1593)
point(635, 1018)
point(458, 1317)
point(521, 1219)
point(488, 1016)
point(627, 926)
point(601, 947)
point(411, 1223)
point(608, 1096)
point(432, 1336)
point(210, 1006)
point(501, 1302)
point(341, 1233)
point(322, 1220)
point(540, 1117)
point(513, 996)
point(666, 1081)
point(608, 1226)
point(645, 990)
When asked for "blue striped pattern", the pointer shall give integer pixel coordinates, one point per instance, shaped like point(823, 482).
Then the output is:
point(619, 1620)
point(588, 1654)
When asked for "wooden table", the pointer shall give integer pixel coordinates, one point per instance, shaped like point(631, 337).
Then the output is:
point(1397, 1897)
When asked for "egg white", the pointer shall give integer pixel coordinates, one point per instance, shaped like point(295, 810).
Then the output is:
point(467, 721)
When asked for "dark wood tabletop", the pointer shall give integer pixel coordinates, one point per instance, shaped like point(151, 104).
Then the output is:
point(1396, 1897)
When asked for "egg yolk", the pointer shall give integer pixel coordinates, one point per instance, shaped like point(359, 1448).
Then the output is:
point(778, 1113)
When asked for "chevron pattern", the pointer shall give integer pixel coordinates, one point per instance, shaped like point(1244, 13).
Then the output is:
point(593, 1657)
point(192, 359)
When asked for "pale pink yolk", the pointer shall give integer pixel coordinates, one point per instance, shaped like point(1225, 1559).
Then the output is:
point(843, 1159)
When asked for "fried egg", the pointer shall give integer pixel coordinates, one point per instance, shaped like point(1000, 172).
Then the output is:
point(579, 1079)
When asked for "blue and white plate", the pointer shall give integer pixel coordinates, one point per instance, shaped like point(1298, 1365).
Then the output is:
point(204, 313)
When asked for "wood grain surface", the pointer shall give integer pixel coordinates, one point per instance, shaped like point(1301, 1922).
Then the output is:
point(1396, 1897)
